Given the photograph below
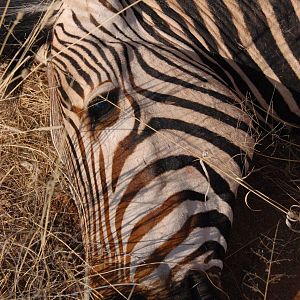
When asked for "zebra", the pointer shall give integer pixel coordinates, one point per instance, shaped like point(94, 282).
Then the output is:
point(152, 96)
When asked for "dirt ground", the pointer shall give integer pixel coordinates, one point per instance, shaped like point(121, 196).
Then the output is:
point(256, 233)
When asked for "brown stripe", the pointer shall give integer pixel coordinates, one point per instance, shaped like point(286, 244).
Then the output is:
point(143, 178)
point(127, 145)
point(155, 216)
point(83, 156)
point(163, 250)
point(136, 184)
point(96, 200)
point(81, 184)
point(111, 243)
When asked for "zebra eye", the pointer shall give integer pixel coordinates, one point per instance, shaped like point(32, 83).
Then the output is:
point(103, 106)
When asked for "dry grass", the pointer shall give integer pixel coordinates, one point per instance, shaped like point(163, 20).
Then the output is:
point(40, 242)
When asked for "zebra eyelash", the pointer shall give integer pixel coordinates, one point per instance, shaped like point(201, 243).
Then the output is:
point(102, 107)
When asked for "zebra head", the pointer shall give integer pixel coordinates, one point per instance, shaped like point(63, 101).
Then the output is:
point(153, 142)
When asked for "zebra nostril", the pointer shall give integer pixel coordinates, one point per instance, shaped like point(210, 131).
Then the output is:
point(200, 287)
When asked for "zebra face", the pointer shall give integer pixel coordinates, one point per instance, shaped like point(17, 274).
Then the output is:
point(151, 144)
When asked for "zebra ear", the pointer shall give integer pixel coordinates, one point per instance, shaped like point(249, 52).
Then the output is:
point(41, 55)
